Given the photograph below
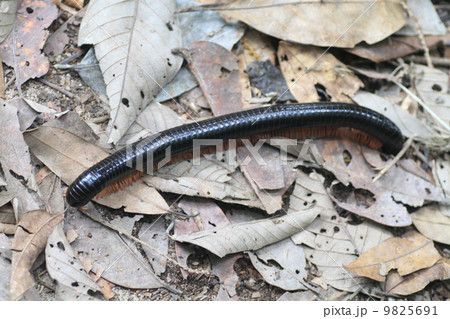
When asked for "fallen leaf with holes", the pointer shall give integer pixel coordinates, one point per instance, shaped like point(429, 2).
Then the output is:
point(29, 240)
point(65, 268)
point(392, 48)
point(49, 144)
point(216, 70)
point(339, 24)
point(22, 49)
point(108, 250)
point(332, 241)
point(125, 34)
point(210, 216)
point(432, 223)
point(431, 85)
point(155, 235)
point(406, 254)
point(282, 264)
point(307, 67)
point(397, 185)
point(407, 285)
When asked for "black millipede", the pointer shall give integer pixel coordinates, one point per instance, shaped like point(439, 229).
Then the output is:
point(293, 120)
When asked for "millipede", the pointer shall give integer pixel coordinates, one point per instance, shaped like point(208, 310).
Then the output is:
point(308, 120)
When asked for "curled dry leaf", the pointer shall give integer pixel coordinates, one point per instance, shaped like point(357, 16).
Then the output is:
point(331, 23)
point(30, 239)
point(49, 144)
point(133, 42)
point(66, 269)
point(432, 223)
point(304, 67)
point(22, 49)
point(407, 254)
point(396, 284)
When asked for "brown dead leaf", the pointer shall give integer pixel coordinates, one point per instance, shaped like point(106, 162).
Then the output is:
point(22, 49)
point(304, 67)
point(396, 284)
point(407, 254)
point(330, 23)
point(50, 145)
point(393, 47)
point(29, 240)
point(216, 70)
point(267, 175)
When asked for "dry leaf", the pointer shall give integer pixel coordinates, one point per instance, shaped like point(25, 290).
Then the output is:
point(29, 240)
point(133, 42)
point(15, 163)
point(216, 70)
point(49, 144)
point(65, 268)
point(336, 23)
point(282, 264)
point(432, 223)
point(22, 49)
point(426, 16)
point(7, 16)
point(393, 47)
point(431, 85)
point(250, 235)
point(155, 118)
point(408, 124)
point(304, 67)
point(396, 284)
point(155, 235)
point(407, 254)
point(113, 256)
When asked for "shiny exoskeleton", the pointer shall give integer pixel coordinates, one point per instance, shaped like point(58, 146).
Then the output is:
point(231, 126)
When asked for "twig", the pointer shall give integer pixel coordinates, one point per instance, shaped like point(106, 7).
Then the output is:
point(143, 243)
point(11, 80)
point(422, 103)
point(396, 158)
point(57, 88)
point(419, 33)
point(435, 60)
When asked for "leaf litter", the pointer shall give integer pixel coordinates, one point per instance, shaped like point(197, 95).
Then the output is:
point(347, 209)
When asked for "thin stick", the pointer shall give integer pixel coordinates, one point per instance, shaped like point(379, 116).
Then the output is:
point(419, 33)
point(435, 60)
point(396, 158)
point(57, 88)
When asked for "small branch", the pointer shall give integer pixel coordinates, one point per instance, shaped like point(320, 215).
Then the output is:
point(419, 33)
point(435, 60)
point(57, 88)
point(396, 158)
